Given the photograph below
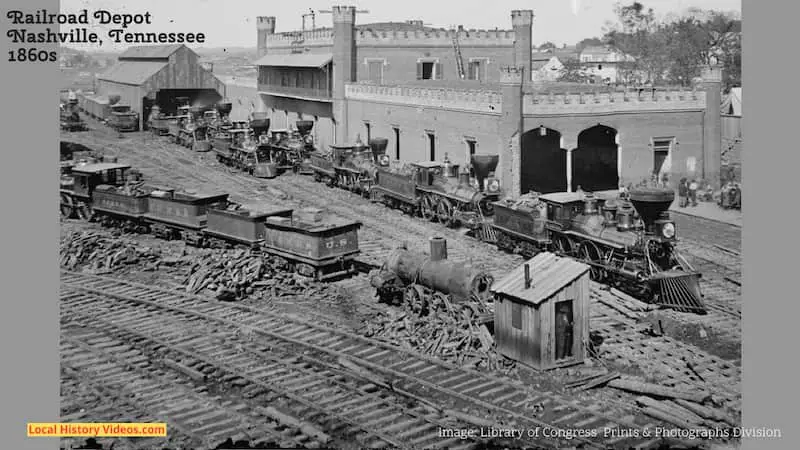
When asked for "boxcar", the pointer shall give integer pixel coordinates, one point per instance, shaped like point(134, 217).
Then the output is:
point(244, 226)
point(323, 246)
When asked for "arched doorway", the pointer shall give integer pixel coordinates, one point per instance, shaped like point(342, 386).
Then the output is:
point(594, 162)
point(543, 164)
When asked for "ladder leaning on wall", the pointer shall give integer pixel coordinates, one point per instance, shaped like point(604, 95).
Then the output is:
point(459, 60)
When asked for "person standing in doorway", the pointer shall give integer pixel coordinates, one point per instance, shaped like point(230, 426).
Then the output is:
point(563, 331)
point(683, 193)
point(693, 186)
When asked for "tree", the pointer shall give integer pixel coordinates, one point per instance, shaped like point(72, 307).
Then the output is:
point(640, 36)
point(547, 46)
point(573, 72)
point(588, 42)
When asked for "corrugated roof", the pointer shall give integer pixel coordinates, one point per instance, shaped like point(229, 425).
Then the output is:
point(549, 273)
point(296, 60)
point(150, 51)
point(132, 72)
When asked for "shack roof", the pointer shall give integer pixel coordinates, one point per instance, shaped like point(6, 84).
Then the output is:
point(569, 197)
point(99, 167)
point(549, 274)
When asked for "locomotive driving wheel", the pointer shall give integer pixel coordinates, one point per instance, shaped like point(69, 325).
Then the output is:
point(589, 252)
point(67, 206)
point(85, 212)
point(414, 299)
point(427, 208)
point(445, 210)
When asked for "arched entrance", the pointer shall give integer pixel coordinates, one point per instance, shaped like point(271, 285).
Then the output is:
point(594, 162)
point(543, 164)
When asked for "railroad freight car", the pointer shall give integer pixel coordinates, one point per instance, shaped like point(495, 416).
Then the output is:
point(314, 244)
point(69, 114)
point(321, 245)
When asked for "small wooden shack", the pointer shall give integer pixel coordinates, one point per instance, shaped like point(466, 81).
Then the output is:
point(541, 316)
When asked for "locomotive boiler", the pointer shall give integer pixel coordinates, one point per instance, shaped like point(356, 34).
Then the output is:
point(414, 279)
point(70, 119)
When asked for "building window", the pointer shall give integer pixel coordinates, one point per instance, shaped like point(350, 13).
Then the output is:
point(375, 70)
point(429, 70)
point(599, 67)
point(432, 145)
point(368, 129)
point(396, 143)
point(476, 70)
point(661, 156)
point(516, 315)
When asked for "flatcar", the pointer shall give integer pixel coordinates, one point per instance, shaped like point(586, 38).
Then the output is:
point(316, 245)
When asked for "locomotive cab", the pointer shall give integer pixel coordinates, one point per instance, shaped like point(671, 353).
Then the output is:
point(87, 177)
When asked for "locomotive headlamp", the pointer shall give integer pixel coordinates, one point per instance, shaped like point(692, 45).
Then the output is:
point(494, 185)
point(668, 230)
point(384, 160)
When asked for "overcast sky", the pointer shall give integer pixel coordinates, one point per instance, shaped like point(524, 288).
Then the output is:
point(232, 22)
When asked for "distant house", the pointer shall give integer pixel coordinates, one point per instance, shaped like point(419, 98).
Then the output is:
point(548, 65)
point(603, 62)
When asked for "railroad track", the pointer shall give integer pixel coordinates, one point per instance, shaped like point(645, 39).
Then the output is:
point(154, 315)
point(131, 381)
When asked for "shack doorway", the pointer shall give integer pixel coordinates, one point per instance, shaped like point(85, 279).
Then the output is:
point(564, 330)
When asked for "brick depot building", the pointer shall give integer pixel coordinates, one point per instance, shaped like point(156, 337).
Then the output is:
point(434, 92)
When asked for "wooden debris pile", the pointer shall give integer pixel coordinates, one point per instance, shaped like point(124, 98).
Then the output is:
point(455, 333)
point(234, 275)
point(681, 408)
point(101, 253)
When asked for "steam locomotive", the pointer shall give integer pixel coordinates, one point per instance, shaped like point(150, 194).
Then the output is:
point(70, 119)
point(314, 244)
point(629, 242)
point(437, 191)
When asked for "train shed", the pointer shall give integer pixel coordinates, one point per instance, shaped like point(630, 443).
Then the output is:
point(157, 75)
point(541, 314)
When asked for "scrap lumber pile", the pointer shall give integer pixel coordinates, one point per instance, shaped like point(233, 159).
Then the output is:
point(101, 253)
point(449, 335)
point(684, 409)
point(238, 274)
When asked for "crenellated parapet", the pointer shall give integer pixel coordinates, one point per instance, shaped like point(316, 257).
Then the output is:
point(485, 102)
point(320, 37)
point(612, 102)
point(434, 38)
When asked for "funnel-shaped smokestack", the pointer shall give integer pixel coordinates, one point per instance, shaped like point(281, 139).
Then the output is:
point(378, 147)
point(650, 203)
point(304, 127)
point(483, 165)
point(259, 126)
point(224, 108)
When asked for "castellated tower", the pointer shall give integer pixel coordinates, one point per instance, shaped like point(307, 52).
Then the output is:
point(265, 26)
point(522, 21)
point(344, 64)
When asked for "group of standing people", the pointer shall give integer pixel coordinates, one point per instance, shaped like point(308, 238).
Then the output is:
point(687, 191)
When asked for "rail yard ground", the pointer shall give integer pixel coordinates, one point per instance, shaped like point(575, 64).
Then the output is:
point(300, 363)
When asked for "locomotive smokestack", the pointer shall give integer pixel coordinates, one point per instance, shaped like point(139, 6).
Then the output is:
point(527, 276)
point(483, 166)
point(650, 203)
point(438, 248)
